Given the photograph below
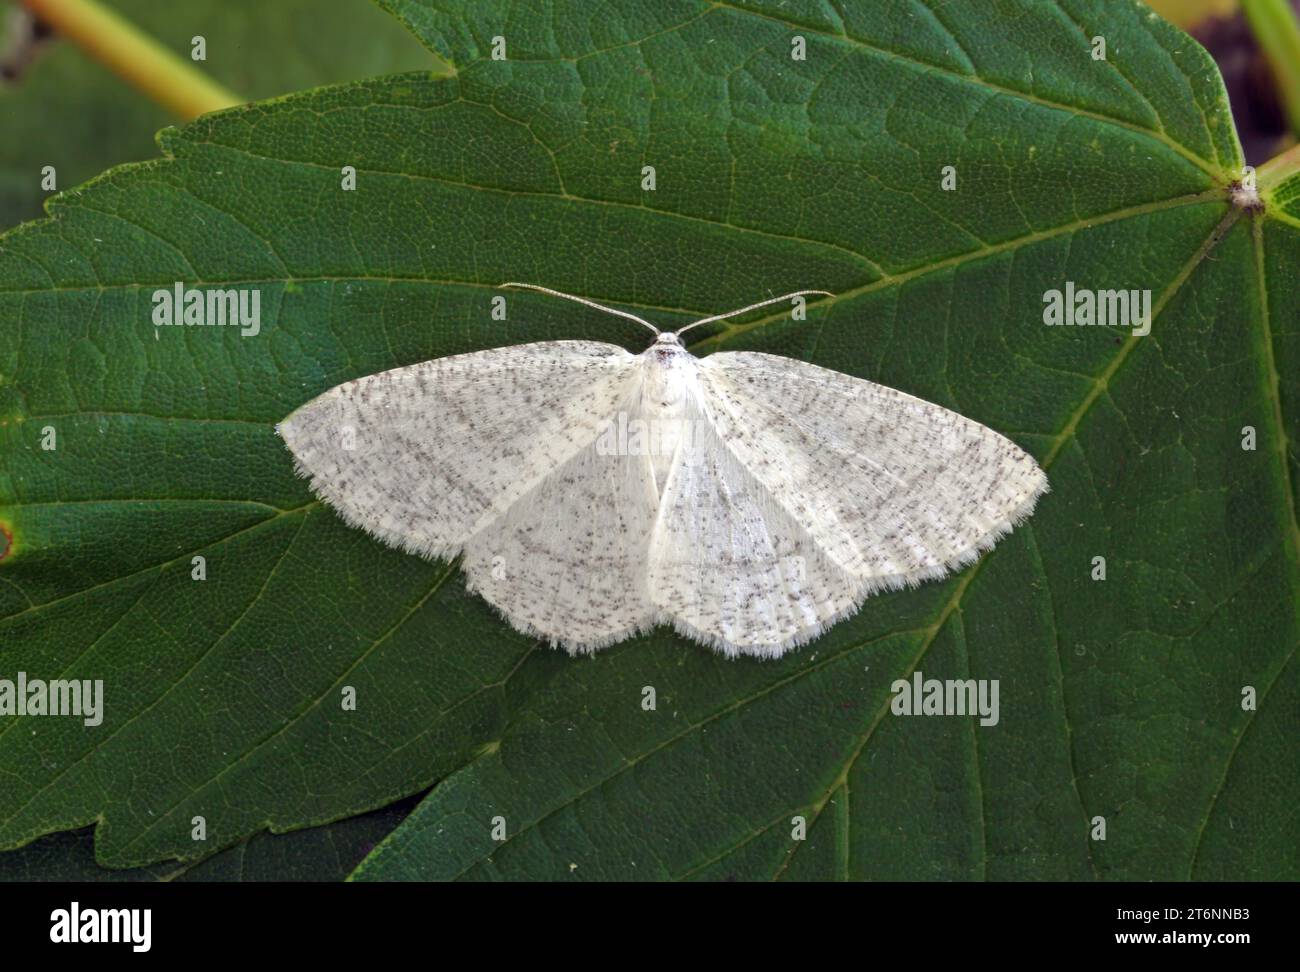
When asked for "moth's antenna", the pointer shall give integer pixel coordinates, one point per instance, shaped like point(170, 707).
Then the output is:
point(743, 310)
point(582, 300)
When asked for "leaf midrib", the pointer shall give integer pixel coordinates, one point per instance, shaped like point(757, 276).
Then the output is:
point(1175, 202)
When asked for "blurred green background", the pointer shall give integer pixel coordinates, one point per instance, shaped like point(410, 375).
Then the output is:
point(58, 107)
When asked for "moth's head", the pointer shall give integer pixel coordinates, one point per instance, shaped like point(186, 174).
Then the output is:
point(666, 347)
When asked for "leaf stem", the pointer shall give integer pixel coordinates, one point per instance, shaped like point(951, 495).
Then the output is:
point(1277, 32)
point(1279, 168)
point(135, 56)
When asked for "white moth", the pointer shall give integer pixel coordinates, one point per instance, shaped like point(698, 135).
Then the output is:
point(749, 500)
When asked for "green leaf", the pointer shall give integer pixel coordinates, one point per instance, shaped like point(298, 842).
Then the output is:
point(64, 109)
point(315, 854)
point(1120, 698)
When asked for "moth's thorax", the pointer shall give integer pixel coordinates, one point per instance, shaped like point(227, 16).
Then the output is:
point(669, 369)
point(668, 399)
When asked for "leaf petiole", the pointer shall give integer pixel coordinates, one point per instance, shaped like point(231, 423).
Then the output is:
point(135, 56)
